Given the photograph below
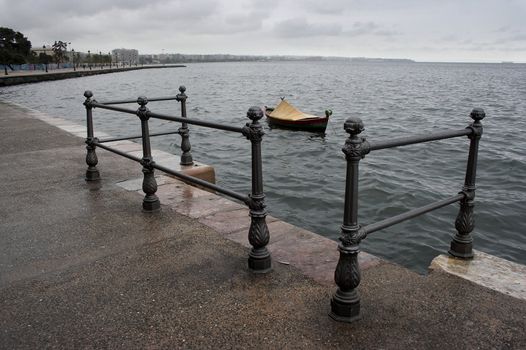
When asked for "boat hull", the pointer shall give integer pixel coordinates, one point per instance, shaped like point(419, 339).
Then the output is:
point(311, 124)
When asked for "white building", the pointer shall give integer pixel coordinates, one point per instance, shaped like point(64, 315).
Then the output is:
point(128, 56)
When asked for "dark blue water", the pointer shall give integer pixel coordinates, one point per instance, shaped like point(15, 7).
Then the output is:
point(304, 172)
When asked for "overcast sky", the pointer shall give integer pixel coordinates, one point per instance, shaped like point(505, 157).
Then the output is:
point(424, 30)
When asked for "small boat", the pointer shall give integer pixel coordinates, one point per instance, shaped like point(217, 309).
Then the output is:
point(287, 116)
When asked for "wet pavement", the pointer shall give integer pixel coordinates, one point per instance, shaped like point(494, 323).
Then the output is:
point(81, 266)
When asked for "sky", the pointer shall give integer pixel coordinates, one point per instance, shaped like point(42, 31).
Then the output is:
point(423, 30)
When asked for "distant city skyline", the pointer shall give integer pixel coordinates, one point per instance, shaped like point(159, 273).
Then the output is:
point(422, 30)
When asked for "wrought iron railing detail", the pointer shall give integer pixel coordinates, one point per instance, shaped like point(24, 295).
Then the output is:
point(259, 260)
point(92, 173)
point(345, 303)
point(186, 156)
point(149, 185)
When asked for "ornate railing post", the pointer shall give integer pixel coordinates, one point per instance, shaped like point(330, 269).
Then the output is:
point(345, 303)
point(149, 185)
point(462, 243)
point(186, 156)
point(92, 173)
point(259, 260)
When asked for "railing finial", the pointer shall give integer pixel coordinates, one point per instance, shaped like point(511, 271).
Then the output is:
point(477, 114)
point(255, 113)
point(142, 101)
point(355, 147)
point(353, 126)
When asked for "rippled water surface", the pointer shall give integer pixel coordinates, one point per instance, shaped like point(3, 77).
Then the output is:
point(304, 172)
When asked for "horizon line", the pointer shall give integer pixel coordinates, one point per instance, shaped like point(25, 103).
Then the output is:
point(349, 57)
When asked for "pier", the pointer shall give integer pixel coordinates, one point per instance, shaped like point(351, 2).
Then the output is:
point(82, 266)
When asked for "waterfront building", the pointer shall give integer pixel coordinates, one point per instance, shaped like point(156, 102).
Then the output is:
point(128, 56)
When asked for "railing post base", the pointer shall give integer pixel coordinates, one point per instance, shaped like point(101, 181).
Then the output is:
point(151, 205)
point(462, 250)
point(345, 306)
point(345, 303)
point(150, 202)
point(186, 159)
point(259, 260)
point(92, 175)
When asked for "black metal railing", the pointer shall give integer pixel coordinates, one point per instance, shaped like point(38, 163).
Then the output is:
point(345, 303)
point(259, 260)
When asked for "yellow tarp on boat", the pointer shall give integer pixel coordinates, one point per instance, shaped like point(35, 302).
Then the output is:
point(286, 111)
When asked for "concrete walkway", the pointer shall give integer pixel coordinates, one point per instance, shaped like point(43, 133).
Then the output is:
point(81, 266)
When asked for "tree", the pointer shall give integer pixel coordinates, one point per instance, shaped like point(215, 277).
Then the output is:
point(15, 48)
point(44, 59)
point(59, 49)
point(76, 59)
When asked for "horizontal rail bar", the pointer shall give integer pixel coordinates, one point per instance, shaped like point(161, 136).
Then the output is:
point(403, 141)
point(116, 151)
point(195, 122)
point(410, 214)
point(113, 108)
point(195, 180)
point(172, 118)
point(119, 102)
point(203, 183)
point(137, 136)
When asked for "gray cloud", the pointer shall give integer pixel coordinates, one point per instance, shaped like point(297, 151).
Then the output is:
point(384, 28)
point(300, 27)
point(519, 37)
point(335, 7)
point(369, 28)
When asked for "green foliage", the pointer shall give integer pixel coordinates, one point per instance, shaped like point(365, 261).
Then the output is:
point(44, 59)
point(100, 58)
point(15, 48)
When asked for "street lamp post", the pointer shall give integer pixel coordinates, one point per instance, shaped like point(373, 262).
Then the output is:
point(45, 56)
point(66, 49)
point(73, 58)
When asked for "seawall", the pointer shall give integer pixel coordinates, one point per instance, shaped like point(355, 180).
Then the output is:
point(26, 77)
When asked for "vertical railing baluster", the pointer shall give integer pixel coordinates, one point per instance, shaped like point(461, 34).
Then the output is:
point(462, 243)
point(149, 185)
point(345, 303)
point(259, 260)
point(186, 156)
point(92, 173)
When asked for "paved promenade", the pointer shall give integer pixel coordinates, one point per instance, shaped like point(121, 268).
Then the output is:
point(81, 266)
